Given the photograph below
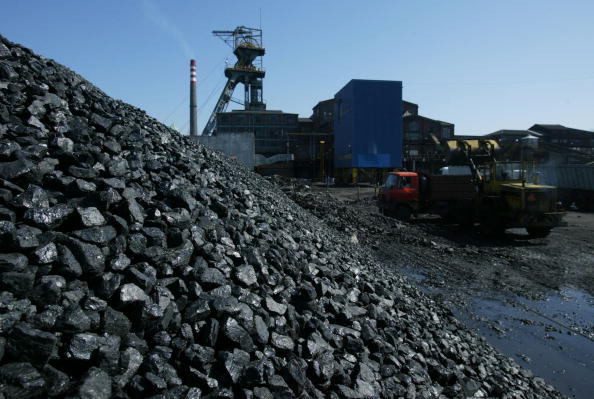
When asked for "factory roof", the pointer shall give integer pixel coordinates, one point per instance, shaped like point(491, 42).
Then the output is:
point(561, 131)
point(417, 116)
point(513, 133)
point(258, 111)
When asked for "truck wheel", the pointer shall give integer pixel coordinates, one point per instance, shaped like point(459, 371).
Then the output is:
point(538, 232)
point(402, 213)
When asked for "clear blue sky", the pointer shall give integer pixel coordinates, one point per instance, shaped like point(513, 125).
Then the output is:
point(483, 65)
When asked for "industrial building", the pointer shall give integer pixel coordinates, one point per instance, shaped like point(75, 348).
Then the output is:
point(367, 129)
point(313, 144)
point(323, 116)
point(364, 130)
point(574, 139)
point(557, 144)
point(313, 152)
point(354, 136)
point(422, 139)
point(272, 132)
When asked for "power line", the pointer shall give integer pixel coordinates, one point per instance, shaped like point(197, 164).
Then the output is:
point(504, 83)
point(217, 66)
point(183, 100)
point(183, 128)
point(215, 89)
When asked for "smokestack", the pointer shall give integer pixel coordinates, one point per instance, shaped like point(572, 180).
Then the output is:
point(193, 107)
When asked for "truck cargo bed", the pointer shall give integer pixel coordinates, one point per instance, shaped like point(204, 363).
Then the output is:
point(451, 187)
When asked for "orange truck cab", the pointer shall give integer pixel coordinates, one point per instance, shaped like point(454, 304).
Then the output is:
point(400, 195)
point(401, 186)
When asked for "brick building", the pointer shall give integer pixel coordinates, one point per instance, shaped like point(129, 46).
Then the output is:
point(574, 139)
point(422, 138)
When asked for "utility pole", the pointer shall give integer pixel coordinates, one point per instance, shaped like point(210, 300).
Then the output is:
point(193, 106)
point(322, 165)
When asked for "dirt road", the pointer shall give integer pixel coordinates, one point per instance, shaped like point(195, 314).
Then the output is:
point(531, 298)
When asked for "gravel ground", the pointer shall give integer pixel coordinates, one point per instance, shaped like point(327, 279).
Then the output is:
point(532, 298)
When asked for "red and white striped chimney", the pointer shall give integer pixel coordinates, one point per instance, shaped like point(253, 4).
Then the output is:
point(193, 106)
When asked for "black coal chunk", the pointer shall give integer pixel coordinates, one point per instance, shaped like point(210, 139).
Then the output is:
point(13, 262)
point(31, 345)
point(212, 278)
point(26, 238)
point(95, 384)
point(11, 170)
point(132, 294)
point(233, 364)
point(96, 235)
point(246, 275)
point(67, 263)
point(89, 256)
point(89, 217)
point(236, 335)
point(46, 254)
point(57, 382)
point(21, 380)
point(73, 320)
point(82, 346)
point(48, 218)
point(115, 323)
point(20, 284)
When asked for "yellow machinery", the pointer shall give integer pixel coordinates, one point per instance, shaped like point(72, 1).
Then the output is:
point(508, 195)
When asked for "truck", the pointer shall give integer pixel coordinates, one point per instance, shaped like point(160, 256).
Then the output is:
point(575, 184)
point(409, 193)
point(497, 195)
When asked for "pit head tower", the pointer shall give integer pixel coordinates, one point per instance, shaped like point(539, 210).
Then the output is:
point(247, 47)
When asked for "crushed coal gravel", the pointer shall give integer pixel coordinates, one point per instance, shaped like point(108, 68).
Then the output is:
point(137, 263)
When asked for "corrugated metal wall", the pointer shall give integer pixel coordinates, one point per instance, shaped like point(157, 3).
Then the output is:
point(577, 177)
point(368, 124)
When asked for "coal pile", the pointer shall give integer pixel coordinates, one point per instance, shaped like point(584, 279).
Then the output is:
point(136, 263)
point(366, 227)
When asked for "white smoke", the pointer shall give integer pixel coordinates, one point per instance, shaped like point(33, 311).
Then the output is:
point(156, 16)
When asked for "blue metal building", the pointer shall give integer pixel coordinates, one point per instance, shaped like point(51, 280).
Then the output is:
point(368, 125)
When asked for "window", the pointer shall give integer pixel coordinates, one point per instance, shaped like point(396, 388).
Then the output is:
point(404, 182)
point(508, 171)
point(413, 126)
point(391, 181)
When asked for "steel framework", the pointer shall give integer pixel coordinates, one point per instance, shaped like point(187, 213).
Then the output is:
point(247, 47)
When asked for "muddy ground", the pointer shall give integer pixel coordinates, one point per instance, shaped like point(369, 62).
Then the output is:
point(531, 298)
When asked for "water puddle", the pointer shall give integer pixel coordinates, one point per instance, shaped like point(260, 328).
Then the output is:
point(554, 337)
